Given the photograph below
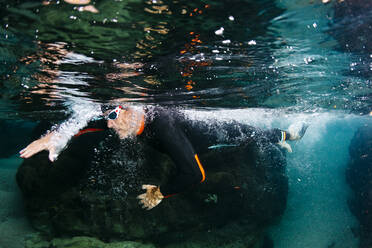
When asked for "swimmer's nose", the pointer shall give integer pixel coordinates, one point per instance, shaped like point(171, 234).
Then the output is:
point(109, 123)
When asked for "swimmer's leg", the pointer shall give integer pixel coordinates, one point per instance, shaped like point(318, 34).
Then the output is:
point(295, 132)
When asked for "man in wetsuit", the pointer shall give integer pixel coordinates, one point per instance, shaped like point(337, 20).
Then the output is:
point(171, 132)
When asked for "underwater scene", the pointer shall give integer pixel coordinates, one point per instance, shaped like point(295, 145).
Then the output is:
point(183, 124)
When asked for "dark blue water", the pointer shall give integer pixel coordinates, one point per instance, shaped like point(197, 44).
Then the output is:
point(264, 63)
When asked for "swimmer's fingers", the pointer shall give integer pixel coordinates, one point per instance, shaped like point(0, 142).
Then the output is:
point(38, 146)
point(154, 204)
point(144, 203)
point(149, 203)
point(32, 149)
point(141, 197)
point(148, 186)
point(144, 200)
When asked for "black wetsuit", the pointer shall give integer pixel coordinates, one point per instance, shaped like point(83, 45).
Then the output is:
point(173, 133)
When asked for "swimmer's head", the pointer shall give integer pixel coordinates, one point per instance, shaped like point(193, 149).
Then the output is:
point(123, 121)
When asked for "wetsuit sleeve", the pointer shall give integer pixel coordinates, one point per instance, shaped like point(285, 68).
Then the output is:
point(189, 170)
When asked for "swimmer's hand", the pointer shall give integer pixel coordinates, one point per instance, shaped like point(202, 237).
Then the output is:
point(40, 145)
point(151, 198)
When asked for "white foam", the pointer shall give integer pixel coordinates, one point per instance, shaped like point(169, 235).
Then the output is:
point(82, 113)
point(265, 118)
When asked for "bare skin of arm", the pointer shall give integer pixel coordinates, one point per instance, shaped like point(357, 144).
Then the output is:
point(121, 125)
point(42, 144)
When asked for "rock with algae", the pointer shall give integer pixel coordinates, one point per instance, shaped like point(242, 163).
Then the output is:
point(80, 242)
point(92, 192)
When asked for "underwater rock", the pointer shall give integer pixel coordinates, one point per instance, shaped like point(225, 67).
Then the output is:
point(359, 177)
point(80, 242)
point(352, 29)
point(352, 25)
point(91, 191)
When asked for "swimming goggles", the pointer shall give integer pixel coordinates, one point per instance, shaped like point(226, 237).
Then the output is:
point(113, 115)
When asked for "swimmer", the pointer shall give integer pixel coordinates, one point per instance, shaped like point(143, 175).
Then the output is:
point(172, 133)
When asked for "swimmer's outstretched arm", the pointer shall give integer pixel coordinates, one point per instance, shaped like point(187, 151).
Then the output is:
point(42, 144)
point(55, 141)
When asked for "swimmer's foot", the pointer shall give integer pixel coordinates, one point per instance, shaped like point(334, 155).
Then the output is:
point(285, 145)
point(297, 130)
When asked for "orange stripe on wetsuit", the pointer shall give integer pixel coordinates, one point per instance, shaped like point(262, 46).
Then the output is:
point(201, 171)
point(200, 167)
point(88, 130)
point(142, 127)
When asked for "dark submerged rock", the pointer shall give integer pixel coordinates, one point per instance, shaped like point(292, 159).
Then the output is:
point(352, 25)
point(359, 177)
point(81, 242)
point(91, 191)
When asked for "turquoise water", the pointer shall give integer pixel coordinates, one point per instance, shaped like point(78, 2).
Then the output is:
point(317, 213)
point(274, 63)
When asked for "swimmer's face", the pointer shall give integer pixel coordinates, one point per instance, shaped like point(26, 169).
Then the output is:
point(114, 123)
point(121, 124)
